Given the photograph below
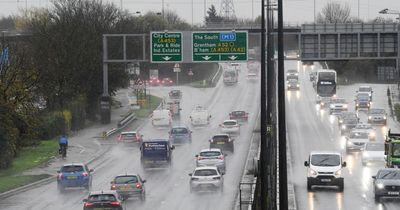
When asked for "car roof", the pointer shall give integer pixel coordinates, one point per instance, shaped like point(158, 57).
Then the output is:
point(365, 86)
point(128, 132)
point(156, 140)
point(127, 174)
point(325, 153)
point(359, 131)
point(221, 134)
point(230, 121)
point(180, 126)
point(211, 149)
point(73, 164)
point(100, 192)
point(205, 167)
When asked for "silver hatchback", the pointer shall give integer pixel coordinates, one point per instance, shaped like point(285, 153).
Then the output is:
point(211, 157)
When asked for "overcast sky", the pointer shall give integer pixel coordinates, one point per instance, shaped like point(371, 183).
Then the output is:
point(295, 11)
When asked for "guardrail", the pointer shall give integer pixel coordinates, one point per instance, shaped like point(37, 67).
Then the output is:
point(121, 124)
point(216, 74)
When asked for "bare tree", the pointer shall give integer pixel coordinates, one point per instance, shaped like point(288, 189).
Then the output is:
point(334, 12)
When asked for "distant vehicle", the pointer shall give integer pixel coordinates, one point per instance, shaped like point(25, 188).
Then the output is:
point(356, 140)
point(377, 116)
point(74, 175)
point(236, 66)
point(156, 153)
point(308, 63)
point(373, 152)
point(337, 105)
point(153, 82)
point(323, 102)
point(326, 80)
point(200, 116)
point(104, 199)
point(180, 134)
point(174, 106)
point(348, 124)
point(167, 81)
point(366, 89)
point(392, 150)
point(230, 77)
point(292, 74)
point(253, 67)
point(386, 183)
point(368, 128)
point(230, 126)
point(362, 101)
point(206, 177)
point(175, 95)
point(161, 117)
point(130, 136)
point(341, 116)
point(240, 116)
point(325, 168)
point(129, 185)
point(293, 84)
point(252, 77)
point(223, 142)
point(211, 157)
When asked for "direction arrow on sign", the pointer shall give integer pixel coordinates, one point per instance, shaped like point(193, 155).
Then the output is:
point(167, 58)
point(232, 57)
point(206, 57)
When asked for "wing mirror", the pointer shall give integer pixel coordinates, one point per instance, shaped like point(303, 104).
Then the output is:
point(374, 177)
point(196, 156)
point(144, 181)
point(306, 163)
point(190, 174)
point(344, 164)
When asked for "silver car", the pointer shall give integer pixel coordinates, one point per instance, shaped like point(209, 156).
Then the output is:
point(377, 116)
point(356, 140)
point(373, 152)
point(206, 177)
point(387, 183)
point(211, 157)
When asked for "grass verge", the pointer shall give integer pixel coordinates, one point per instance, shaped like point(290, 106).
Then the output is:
point(28, 158)
point(145, 111)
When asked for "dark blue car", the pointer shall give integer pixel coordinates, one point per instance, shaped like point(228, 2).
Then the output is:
point(74, 175)
point(180, 134)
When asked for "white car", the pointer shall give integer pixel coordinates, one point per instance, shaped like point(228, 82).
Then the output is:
point(366, 89)
point(356, 140)
point(337, 105)
point(373, 152)
point(206, 177)
point(230, 126)
point(200, 116)
point(161, 117)
point(366, 127)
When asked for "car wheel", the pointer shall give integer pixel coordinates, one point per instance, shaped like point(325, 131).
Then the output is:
point(309, 186)
point(377, 198)
point(341, 186)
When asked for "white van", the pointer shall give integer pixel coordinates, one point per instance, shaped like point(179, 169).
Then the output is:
point(161, 117)
point(200, 116)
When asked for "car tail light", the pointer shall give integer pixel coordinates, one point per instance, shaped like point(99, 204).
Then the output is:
point(139, 186)
point(87, 204)
point(120, 138)
point(60, 176)
point(170, 81)
point(85, 174)
point(217, 178)
point(115, 203)
point(158, 81)
point(113, 187)
point(221, 157)
point(200, 158)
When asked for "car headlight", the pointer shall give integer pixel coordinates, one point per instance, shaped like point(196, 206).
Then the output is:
point(345, 106)
point(343, 126)
point(312, 172)
point(357, 104)
point(384, 117)
point(349, 143)
point(338, 173)
point(369, 117)
point(372, 134)
point(340, 121)
point(322, 103)
point(370, 94)
point(380, 185)
point(298, 85)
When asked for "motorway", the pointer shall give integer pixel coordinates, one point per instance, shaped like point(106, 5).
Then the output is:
point(312, 129)
point(166, 188)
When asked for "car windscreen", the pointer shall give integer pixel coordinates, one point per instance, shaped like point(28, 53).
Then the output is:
point(102, 197)
point(205, 172)
point(377, 111)
point(220, 138)
point(72, 168)
point(325, 160)
point(129, 135)
point(179, 131)
point(125, 179)
point(230, 123)
point(375, 147)
point(350, 121)
point(362, 97)
point(358, 135)
point(229, 74)
point(365, 89)
point(388, 174)
point(210, 154)
point(341, 101)
point(238, 113)
point(292, 71)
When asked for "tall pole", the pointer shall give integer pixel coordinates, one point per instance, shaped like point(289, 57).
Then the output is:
point(121, 5)
point(252, 10)
point(283, 189)
point(314, 13)
point(358, 15)
point(205, 10)
point(263, 151)
point(192, 12)
point(162, 9)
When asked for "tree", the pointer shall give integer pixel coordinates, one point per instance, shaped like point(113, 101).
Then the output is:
point(334, 12)
point(213, 17)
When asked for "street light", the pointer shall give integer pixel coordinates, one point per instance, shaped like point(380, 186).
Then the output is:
point(391, 12)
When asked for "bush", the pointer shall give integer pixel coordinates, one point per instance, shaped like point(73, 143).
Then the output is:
point(397, 111)
point(54, 124)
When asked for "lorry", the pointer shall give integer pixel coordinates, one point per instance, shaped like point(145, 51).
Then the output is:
point(392, 150)
point(174, 106)
point(156, 153)
point(230, 77)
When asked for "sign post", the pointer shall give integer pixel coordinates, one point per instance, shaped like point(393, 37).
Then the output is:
point(227, 46)
point(177, 69)
point(166, 47)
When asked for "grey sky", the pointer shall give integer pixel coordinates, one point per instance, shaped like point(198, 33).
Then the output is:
point(295, 11)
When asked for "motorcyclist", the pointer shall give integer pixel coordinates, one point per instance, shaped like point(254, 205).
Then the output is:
point(63, 143)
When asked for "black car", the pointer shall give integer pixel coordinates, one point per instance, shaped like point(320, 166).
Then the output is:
point(362, 101)
point(175, 94)
point(223, 142)
point(105, 199)
point(387, 183)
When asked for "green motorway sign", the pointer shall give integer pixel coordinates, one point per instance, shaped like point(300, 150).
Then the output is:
point(219, 46)
point(166, 47)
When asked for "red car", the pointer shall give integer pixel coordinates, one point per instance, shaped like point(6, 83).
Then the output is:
point(130, 136)
point(239, 115)
point(167, 81)
point(153, 82)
